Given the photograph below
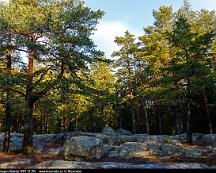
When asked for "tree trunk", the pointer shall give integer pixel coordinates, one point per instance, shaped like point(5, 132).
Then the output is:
point(179, 124)
point(138, 120)
point(146, 119)
point(188, 116)
point(28, 134)
point(133, 120)
point(159, 123)
point(188, 124)
point(207, 112)
point(6, 142)
point(159, 120)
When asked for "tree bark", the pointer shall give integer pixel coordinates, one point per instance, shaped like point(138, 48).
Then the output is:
point(6, 142)
point(146, 119)
point(133, 121)
point(207, 112)
point(159, 120)
point(28, 134)
point(188, 116)
point(179, 124)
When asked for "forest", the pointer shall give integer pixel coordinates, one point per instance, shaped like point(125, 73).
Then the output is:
point(54, 79)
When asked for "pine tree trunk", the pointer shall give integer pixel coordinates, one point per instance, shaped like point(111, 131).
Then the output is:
point(146, 120)
point(133, 121)
point(207, 112)
point(159, 121)
point(138, 120)
point(188, 124)
point(179, 124)
point(6, 142)
point(28, 134)
point(188, 116)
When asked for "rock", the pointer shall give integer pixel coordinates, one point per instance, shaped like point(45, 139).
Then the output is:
point(154, 148)
point(129, 150)
point(170, 149)
point(56, 151)
point(108, 131)
point(123, 132)
point(116, 139)
point(83, 148)
point(13, 164)
point(208, 140)
point(60, 138)
point(212, 155)
point(61, 164)
point(7, 166)
point(107, 149)
point(186, 166)
point(16, 141)
point(193, 152)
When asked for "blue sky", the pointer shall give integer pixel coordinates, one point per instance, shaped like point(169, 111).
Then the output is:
point(132, 15)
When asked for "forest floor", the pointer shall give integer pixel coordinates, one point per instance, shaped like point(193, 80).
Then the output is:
point(21, 161)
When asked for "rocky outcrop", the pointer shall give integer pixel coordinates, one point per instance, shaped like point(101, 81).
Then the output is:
point(60, 164)
point(207, 139)
point(108, 131)
point(107, 149)
point(13, 164)
point(83, 148)
point(123, 132)
point(130, 150)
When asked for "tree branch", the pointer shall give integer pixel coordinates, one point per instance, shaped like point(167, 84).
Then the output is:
point(42, 75)
point(17, 91)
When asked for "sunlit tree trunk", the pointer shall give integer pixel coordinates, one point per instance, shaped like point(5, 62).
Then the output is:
point(28, 134)
point(6, 142)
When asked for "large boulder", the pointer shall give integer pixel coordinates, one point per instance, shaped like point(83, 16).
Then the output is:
point(123, 132)
point(154, 148)
point(129, 150)
point(108, 131)
point(116, 139)
point(60, 138)
point(107, 149)
point(193, 152)
point(208, 140)
point(56, 151)
point(83, 148)
point(170, 149)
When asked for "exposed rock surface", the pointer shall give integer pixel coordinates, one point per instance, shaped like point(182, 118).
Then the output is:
point(108, 131)
point(123, 132)
point(208, 139)
point(60, 164)
point(83, 148)
point(129, 150)
point(107, 149)
point(78, 147)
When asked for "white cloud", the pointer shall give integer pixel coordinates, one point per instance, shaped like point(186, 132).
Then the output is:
point(107, 31)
